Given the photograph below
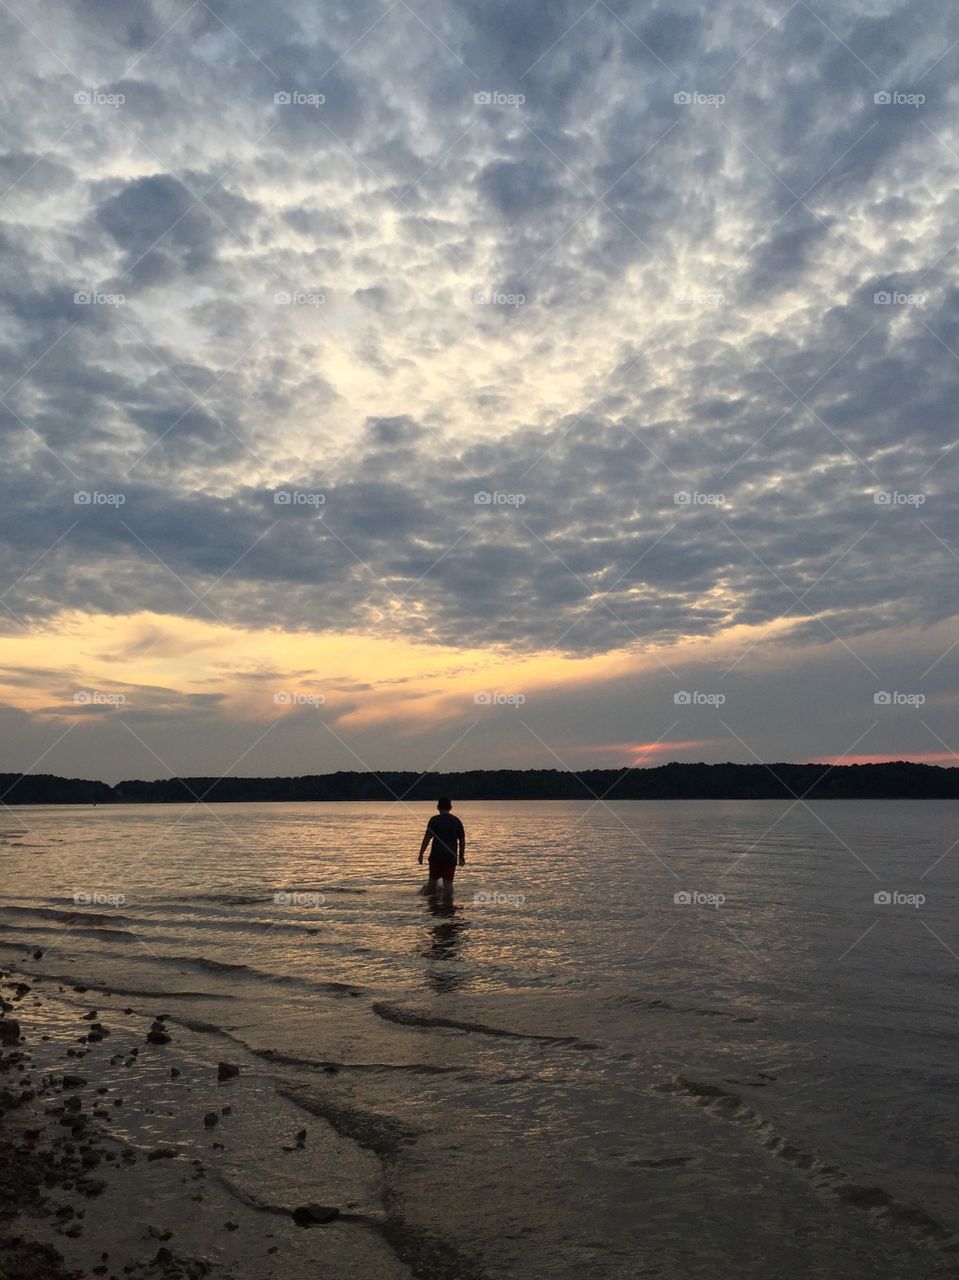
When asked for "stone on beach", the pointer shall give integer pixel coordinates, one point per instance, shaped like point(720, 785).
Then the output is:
point(313, 1215)
point(226, 1070)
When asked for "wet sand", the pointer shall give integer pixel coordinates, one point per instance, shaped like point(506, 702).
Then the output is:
point(114, 1151)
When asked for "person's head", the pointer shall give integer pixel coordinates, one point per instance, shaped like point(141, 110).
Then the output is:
point(444, 805)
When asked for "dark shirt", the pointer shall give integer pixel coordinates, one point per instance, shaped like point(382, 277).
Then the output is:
point(446, 829)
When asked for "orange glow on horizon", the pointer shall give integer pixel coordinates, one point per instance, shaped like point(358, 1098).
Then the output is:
point(910, 757)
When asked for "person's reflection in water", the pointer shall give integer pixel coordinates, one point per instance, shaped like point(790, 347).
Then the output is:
point(444, 973)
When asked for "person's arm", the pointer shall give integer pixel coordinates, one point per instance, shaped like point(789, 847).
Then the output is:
point(462, 844)
point(427, 837)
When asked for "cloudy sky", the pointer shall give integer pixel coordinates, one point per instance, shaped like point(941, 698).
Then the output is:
point(477, 384)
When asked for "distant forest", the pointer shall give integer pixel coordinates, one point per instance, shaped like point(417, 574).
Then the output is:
point(898, 780)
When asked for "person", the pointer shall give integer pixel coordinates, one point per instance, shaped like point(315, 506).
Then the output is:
point(448, 838)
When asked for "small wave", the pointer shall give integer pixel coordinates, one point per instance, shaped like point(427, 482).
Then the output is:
point(263, 896)
point(409, 1017)
point(72, 980)
point(73, 917)
point(412, 1068)
point(828, 1178)
point(41, 931)
point(209, 965)
point(656, 1006)
point(381, 1134)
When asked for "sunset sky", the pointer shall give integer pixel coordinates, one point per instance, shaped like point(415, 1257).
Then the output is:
point(477, 384)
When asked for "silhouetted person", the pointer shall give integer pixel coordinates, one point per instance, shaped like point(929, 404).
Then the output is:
point(446, 832)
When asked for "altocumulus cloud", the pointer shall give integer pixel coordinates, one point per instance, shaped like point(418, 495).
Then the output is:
point(668, 287)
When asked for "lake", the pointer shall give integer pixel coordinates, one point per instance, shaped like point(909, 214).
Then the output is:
point(663, 1039)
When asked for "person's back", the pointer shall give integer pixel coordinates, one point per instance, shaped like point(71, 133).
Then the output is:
point(445, 834)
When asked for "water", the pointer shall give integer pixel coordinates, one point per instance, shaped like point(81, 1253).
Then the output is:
point(571, 1069)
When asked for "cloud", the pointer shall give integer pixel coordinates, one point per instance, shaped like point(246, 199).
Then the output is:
point(673, 289)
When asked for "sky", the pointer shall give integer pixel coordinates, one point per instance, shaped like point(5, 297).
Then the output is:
point(477, 384)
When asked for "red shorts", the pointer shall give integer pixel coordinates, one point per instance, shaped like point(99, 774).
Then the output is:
point(441, 869)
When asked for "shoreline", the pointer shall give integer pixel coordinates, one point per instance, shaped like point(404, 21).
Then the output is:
point(115, 1148)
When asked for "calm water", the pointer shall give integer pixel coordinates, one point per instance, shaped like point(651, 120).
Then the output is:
point(545, 1079)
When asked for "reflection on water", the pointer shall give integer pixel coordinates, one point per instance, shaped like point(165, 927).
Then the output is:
point(446, 938)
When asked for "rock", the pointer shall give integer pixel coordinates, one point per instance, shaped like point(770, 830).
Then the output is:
point(21, 989)
point(157, 1025)
point(210, 1119)
point(159, 1037)
point(314, 1215)
point(163, 1153)
point(226, 1071)
point(9, 1031)
point(80, 989)
point(164, 1257)
point(73, 1082)
point(226, 1111)
point(174, 1073)
point(38, 955)
point(88, 1017)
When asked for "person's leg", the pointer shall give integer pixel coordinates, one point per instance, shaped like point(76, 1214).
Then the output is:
point(431, 884)
point(448, 883)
